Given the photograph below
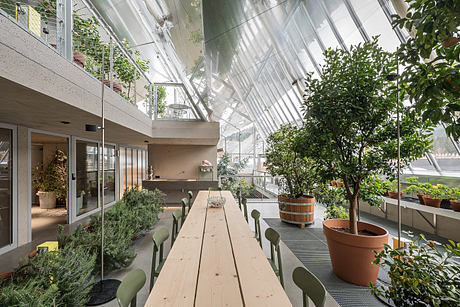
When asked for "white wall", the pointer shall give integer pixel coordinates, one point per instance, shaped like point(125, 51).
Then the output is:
point(182, 161)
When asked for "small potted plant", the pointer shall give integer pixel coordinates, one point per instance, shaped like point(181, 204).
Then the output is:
point(418, 188)
point(298, 177)
point(420, 275)
point(393, 191)
point(455, 199)
point(438, 192)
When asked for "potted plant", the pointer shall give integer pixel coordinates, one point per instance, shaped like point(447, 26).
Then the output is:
point(418, 188)
point(437, 194)
point(296, 203)
point(421, 274)
point(51, 180)
point(350, 130)
point(393, 191)
point(455, 199)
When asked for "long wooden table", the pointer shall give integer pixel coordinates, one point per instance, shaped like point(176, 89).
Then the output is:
point(216, 261)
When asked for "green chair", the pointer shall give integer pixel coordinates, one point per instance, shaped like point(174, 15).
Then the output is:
point(190, 197)
point(177, 215)
point(159, 237)
point(244, 202)
point(274, 238)
point(310, 285)
point(184, 203)
point(238, 195)
point(131, 284)
point(214, 189)
point(256, 216)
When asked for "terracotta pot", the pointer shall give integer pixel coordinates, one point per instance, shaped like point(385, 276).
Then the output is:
point(394, 195)
point(420, 198)
point(79, 59)
point(5, 275)
point(352, 255)
point(432, 202)
point(33, 253)
point(333, 183)
point(450, 42)
point(339, 184)
point(297, 210)
point(117, 87)
point(386, 194)
point(455, 204)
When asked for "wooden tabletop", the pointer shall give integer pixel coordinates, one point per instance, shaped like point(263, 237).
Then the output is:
point(216, 261)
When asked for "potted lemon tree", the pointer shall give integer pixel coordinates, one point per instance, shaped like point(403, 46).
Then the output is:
point(350, 130)
point(298, 177)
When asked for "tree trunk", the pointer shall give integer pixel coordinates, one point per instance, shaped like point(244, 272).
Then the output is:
point(352, 211)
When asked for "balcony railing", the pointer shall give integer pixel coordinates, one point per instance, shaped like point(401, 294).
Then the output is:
point(79, 34)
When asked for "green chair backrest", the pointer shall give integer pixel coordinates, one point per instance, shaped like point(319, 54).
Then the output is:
point(256, 216)
point(274, 238)
point(214, 189)
point(190, 197)
point(244, 202)
point(131, 284)
point(184, 203)
point(238, 195)
point(159, 237)
point(310, 285)
point(177, 215)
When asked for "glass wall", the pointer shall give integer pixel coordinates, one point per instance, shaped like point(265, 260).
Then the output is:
point(6, 186)
point(133, 164)
point(109, 174)
point(87, 176)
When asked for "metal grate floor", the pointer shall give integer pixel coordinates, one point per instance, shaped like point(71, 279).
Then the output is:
point(309, 245)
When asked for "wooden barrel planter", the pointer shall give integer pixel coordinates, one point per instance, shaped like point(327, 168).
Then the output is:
point(298, 211)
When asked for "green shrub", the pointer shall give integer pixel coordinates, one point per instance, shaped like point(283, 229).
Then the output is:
point(421, 275)
point(61, 278)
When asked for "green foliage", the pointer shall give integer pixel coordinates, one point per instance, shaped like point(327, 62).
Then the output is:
point(47, 10)
point(330, 195)
point(61, 278)
point(225, 169)
point(417, 187)
point(439, 191)
point(161, 99)
point(234, 185)
point(135, 213)
point(336, 212)
point(455, 194)
point(421, 274)
point(88, 41)
point(433, 85)
point(372, 189)
point(350, 125)
point(297, 172)
point(53, 177)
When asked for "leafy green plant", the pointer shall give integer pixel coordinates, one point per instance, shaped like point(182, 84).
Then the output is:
point(433, 84)
point(224, 167)
point(61, 278)
point(237, 184)
point(52, 177)
point(125, 220)
point(161, 99)
point(350, 120)
point(372, 189)
point(417, 187)
point(440, 191)
point(421, 274)
point(336, 212)
point(297, 172)
point(455, 194)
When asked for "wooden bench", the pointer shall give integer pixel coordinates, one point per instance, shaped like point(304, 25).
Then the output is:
point(216, 261)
